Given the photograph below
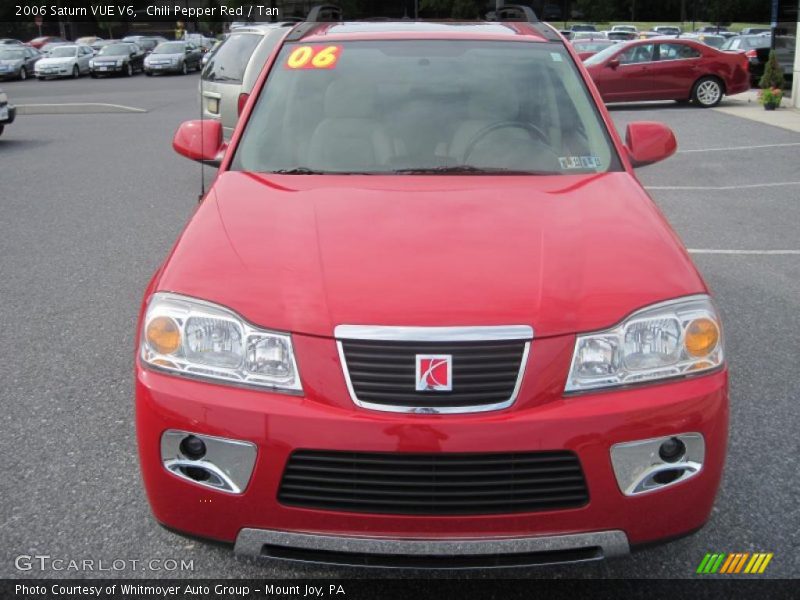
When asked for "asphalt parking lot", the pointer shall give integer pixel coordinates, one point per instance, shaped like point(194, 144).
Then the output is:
point(91, 203)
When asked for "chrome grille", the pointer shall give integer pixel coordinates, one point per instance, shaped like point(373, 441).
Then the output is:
point(380, 365)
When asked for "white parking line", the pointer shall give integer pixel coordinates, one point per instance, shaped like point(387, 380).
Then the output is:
point(769, 252)
point(740, 148)
point(709, 188)
point(75, 108)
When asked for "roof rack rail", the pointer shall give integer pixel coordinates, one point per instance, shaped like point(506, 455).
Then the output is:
point(513, 12)
point(324, 13)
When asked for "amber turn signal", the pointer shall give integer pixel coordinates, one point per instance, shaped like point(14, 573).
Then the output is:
point(163, 335)
point(702, 336)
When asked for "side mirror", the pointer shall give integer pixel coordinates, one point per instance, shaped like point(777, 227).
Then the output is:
point(613, 63)
point(200, 140)
point(649, 142)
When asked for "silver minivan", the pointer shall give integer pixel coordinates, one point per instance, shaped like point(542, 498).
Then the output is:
point(232, 70)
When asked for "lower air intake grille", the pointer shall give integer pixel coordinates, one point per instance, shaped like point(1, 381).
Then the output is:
point(433, 484)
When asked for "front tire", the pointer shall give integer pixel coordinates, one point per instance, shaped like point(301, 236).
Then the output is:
point(76, 72)
point(23, 74)
point(707, 92)
point(2, 127)
point(184, 69)
point(128, 70)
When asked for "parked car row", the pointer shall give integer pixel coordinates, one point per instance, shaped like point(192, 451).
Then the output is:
point(108, 57)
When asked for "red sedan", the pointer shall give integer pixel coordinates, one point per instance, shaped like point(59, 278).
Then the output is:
point(427, 316)
point(668, 69)
point(45, 39)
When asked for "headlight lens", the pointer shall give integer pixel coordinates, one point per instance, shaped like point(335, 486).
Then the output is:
point(669, 339)
point(201, 339)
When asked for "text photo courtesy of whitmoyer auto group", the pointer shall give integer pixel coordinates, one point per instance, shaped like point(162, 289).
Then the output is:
point(404, 298)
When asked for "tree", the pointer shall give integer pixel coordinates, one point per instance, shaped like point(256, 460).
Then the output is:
point(773, 73)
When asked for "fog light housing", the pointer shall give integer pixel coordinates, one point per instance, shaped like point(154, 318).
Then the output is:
point(213, 462)
point(649, 465)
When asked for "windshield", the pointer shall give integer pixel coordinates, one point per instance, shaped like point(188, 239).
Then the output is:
point(713, 41)
point(425, 107)
point(63, 51)
point(601, 56)
point(170, 48)
point(230, 60)
point(11, 55)
point(116, 50)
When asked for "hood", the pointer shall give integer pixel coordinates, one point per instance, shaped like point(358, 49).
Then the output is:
point(13, 62)
point(563, 254)
point(55, 61)
point(165, 56)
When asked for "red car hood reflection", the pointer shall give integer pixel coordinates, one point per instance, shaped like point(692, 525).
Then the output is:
point(306, 253)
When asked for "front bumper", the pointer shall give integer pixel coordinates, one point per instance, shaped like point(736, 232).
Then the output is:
point(163, 68)
point(12, 114)
point(325, 418)
point(108, 69)
point(14, 74)
point(54, 73)
point(431, 553)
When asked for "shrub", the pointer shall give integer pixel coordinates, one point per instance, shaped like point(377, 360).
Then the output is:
point(773, 74)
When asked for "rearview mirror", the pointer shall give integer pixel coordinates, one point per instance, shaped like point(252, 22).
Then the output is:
point(613, 63)
point(648, 142)
point(200, 140)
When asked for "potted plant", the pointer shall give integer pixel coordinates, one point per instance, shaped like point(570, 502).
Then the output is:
point(771, 83)
point(770, 98)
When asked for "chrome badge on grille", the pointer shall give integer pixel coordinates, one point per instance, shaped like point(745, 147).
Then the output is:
point(434, 372)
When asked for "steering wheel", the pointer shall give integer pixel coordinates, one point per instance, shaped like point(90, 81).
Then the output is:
point(482, 133)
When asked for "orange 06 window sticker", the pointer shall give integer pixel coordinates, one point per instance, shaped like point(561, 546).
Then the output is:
point(313, 57)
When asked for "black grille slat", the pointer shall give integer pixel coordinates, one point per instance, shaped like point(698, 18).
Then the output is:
point(433, 484)
point(383, 373)
point(462, 485)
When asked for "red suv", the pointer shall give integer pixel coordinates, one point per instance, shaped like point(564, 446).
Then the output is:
point(427, 316)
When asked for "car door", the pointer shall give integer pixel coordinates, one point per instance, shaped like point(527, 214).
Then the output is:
point(137, 58)
point(677, 66)
point(84, 56)
point(193, 58)
point(31, 56)
point(625, 76)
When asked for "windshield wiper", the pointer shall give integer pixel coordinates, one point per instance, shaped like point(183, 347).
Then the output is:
point(467, 170)
point(299, 171)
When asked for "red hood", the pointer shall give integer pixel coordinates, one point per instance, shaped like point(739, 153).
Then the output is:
point(304, 254)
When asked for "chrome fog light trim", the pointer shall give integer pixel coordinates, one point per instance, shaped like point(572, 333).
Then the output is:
point(639, 468)
point(226, 465)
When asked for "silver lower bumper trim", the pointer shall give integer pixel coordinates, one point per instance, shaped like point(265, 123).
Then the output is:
point(253, 543)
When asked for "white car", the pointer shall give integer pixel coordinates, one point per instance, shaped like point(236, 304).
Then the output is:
point(625, 28)
point(65, 61)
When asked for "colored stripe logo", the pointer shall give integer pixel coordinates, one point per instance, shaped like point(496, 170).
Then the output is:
point(734, 563)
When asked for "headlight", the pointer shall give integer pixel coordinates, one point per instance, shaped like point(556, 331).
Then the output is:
point(91, 64)
point(669, 339)
point(120, 62)
point(200, 339)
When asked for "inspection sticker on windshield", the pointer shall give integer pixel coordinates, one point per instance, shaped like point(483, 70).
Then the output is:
point(314, 57)
point(579, 162)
